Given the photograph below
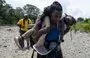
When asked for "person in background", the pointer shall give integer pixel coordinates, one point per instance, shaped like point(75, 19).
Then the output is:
point(23, 25)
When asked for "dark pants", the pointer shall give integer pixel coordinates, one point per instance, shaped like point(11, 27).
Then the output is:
point(21, 41)
point(21, 32)
point(59, 55)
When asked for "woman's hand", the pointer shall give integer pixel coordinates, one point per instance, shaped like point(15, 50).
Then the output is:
point(61, 39)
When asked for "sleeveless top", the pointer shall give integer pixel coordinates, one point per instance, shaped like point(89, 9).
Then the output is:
point(53, 35)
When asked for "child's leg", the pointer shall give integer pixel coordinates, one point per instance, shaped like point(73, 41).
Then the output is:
point(19, 40)
point(27, 34)
point(44, 30)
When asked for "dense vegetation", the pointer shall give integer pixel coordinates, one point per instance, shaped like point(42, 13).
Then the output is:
point(82, 25)
point(8, 15)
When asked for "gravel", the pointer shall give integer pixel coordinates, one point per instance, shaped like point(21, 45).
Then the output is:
point(76, 45)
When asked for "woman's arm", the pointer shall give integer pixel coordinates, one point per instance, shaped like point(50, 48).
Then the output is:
point(67, 30)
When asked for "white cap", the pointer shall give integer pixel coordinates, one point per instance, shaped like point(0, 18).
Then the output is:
point(25, 14)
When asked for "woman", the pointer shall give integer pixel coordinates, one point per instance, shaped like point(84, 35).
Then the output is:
point(61, 25)
point(54, 12)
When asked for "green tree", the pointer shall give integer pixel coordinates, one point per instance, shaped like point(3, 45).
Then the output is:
point(87, 20)
point(31, 10)
point(8, 15)
point(19, 13)
point(80, 19)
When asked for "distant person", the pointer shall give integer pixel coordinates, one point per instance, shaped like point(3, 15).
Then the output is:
point(23, 27)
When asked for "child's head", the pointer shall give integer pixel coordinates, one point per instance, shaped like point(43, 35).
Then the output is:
point(54, 11)
point(69, 20)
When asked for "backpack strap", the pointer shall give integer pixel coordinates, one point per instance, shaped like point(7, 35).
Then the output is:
point(28, 21)
point(23, 22)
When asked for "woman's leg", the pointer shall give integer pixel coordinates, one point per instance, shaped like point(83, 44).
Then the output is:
point(41, 56)
point(59, 54)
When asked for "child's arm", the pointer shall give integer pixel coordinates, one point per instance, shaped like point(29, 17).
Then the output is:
point(67, 29)
point(62, 30)
point(46, 25)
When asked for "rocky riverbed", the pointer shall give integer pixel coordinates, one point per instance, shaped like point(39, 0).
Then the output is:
point(76, 45)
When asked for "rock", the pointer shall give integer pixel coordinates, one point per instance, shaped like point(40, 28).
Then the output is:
point(5, 46)
point(9, 29)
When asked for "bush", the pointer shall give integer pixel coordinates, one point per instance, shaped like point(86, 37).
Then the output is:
point(82, 26)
